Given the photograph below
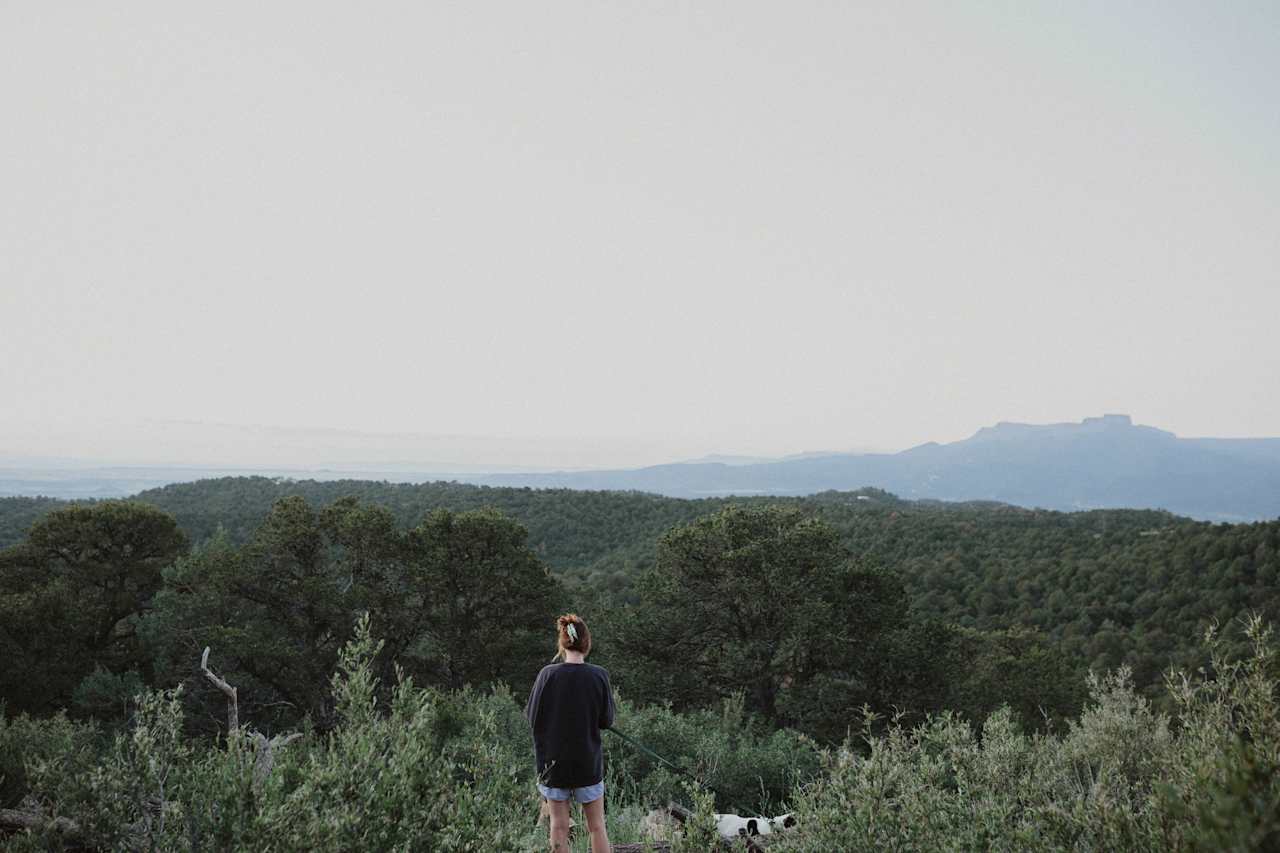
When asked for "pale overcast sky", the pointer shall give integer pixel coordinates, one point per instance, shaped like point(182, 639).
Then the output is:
point(736, 227)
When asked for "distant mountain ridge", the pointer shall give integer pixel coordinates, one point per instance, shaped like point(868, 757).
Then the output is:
point(1101, 462)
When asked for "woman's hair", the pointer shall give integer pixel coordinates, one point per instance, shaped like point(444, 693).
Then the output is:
point(577, 640)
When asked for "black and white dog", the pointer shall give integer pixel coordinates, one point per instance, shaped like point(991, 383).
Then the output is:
point(732, 826)
point(662, 824)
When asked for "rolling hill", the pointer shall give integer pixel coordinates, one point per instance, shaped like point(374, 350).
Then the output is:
point(1103, 462)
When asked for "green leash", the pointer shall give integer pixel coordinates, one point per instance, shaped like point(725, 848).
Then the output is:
point(649, 752)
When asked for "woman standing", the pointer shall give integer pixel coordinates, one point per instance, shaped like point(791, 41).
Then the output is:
point(570, 703)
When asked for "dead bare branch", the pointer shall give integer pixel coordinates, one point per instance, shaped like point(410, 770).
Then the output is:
point(233, 704)
point(265, 752)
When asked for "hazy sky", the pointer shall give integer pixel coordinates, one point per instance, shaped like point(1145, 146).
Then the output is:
point(739, 227)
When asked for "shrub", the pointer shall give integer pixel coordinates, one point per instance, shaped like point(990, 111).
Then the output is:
point(427, 774)
point(69, 748)
point(1120, 777)
point(751, 767)
point(125, 796)
point(413, 769)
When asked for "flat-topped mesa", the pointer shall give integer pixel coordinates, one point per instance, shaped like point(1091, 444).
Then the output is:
point(1109, 421)
point(1013, 429)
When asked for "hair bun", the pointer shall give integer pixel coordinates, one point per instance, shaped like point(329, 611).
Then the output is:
point(571, 635)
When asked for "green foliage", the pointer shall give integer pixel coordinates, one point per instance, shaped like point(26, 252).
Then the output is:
point(275, 611)
point(737, 624)
point(69, 747)
point(1107, 587)
point(570, 530)
point(484, 601)
point(18, 514)
point(399, 781)
point(756, 599)
point(126, 797)
point(459, 598)
point(437, 770)
point(71, 597)
point(428, 771)
point(751, 766)
point(699, 833)
point(106, 695)
point(1015, 667)
point(1121, 777)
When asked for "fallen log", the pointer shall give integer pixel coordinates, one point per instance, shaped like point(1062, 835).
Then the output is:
point(751, 845)
point(16, 819)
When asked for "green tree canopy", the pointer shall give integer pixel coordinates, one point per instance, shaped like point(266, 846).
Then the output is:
point(761, 600)
point(71, 596)
point(485, 602)
point(458, 598)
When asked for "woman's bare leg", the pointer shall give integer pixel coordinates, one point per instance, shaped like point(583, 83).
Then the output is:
point(559, 810)
point(594, 813)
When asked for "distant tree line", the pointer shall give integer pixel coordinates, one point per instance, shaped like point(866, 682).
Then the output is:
point(759, 601)
point(1104, 588)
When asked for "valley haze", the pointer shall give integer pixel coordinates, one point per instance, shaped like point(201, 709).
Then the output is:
point(1100, 462)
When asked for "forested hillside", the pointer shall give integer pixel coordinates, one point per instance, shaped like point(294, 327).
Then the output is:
point(17, 514)
point(1111, 586)
point(743, 638)
point(1108, 587)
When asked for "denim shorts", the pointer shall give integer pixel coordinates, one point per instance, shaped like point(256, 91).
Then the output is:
point(589, 794)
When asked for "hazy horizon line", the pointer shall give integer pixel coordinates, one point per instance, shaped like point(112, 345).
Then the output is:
point(456, 453)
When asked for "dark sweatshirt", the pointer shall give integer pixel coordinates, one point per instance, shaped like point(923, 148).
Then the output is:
point(569, 704)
